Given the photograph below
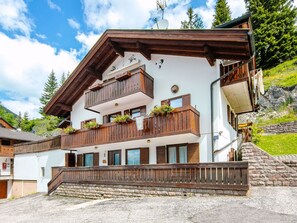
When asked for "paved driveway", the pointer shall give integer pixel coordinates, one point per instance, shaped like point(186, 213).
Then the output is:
point(263, 205)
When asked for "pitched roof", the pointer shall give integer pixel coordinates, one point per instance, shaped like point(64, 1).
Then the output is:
point(212, 44)
point(237, 21)
point(5, 124)
point(17, 135)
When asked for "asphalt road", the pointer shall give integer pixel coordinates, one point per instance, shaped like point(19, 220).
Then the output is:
point(278, 204)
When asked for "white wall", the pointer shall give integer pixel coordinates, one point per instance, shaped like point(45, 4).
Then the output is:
point(5, 172)
point(193, 76)
point(28, 166)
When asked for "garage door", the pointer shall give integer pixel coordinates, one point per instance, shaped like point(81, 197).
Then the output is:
point(3, 189)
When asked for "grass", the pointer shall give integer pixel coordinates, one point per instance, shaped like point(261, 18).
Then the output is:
point(283, 75)
point(292, 116)
point(280, 144)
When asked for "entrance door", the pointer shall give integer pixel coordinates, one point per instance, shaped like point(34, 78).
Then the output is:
point(114, 157)
point(3, 189)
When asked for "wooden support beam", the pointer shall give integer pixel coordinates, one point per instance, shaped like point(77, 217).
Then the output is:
point(94, 73)
point(116, 48)
point(64, 107)
point(209, 55)
point(143, 50)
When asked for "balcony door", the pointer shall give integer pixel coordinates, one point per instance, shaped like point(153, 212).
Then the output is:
point(114, 157)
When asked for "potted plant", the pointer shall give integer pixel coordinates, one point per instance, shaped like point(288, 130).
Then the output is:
point(91, 125)
point(122, 119)
point(69, 130)
point(162, 110)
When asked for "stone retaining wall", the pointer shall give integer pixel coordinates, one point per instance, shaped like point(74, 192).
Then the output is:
point(96, 191)
point(265, 170)
point(292, 164)
point(286, 127)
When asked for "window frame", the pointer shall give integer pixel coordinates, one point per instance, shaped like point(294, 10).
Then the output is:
point(186, 100)
point(177, 146)
point(127, 150)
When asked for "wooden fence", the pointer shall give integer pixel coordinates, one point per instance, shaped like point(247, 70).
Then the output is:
point(218, 176)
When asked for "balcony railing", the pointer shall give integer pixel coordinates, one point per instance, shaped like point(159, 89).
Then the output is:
point(218, 176)
point(183, 120)
point(7, 151)
point(39, 146)
point(124, 85)
point(241, 74)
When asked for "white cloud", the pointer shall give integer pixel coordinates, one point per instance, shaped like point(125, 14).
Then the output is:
point(295, 3)
point(25, 69)
point(13, 16)
point(53, 6)
point(41, 36)
point(87, 40)
point(73, 23)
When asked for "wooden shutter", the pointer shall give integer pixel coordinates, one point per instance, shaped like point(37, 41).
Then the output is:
point(96, 159)
point(186, 100)
point(127, 112)
point(193, 153)
point(144, 156)
point(161, 154)
point(69, 160)
point(229, 114)
point(80, 160)
point(143, 110)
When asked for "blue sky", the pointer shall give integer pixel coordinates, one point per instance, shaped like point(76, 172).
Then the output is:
point(38, 36)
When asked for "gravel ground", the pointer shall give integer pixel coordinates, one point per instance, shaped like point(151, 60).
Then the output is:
point(265, 204)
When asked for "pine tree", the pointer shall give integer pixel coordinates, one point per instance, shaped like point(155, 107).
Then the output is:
point(63, 79)
point(194, 22)
point(49, 90)
point(26, 124)
point(274, 25)
point(222, 13)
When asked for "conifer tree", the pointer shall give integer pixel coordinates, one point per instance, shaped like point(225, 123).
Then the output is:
point(26, 124)
point(63, 79)
point(194, 22)
point(49, 90)
point(275, 32)
point(222, 13)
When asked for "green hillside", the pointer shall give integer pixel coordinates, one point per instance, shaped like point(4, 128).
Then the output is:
point(8, 115)
point(283, 75)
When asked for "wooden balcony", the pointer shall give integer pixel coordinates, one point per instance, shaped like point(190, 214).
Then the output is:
point(39, 146)
point(136, 82)
point(182, 121)
point(6, 151)
point(217, 176)
point(238, 88)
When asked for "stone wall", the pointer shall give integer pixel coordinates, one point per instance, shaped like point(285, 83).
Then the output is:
point(96, 191)
point(286, 127)
point(265, 170)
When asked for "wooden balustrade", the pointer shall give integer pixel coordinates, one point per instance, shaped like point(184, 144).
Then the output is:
point(39, 146)
point(241, 74)
point(139, 81)
point(7, 151)
point(183, 120)
point(228, 175)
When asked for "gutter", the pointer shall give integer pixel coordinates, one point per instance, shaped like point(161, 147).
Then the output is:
point(211, 102)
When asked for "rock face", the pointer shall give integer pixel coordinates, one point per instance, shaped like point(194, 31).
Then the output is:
point(273, 99)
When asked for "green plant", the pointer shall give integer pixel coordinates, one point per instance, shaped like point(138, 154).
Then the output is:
point(256, 134)
point(69, 129)
point(122, 119)
point(91, 125)
point(164, 109)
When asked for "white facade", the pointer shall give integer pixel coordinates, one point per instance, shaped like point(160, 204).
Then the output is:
point(5, 166)
point(38, 167)
point(193, 76)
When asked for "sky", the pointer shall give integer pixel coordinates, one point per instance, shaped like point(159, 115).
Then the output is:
point(38, 36)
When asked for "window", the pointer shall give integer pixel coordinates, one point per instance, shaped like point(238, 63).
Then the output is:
point(178, 102)
point(111, 117)
point(177, 154)
point(5, 142)
point(136, 112)
point(133, 156)
point(82, 124)
point(88, 159)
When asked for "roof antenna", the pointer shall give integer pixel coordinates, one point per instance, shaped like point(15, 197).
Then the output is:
point(163, 23)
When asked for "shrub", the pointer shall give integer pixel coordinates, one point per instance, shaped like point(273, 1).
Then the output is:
point(164, 109)
point(69, 129)
point(122, 119)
